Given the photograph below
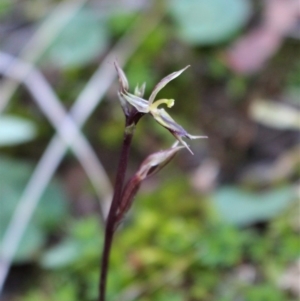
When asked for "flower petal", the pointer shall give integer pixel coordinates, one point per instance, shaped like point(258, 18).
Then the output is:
point(162, 117)
point(139, 91)
point(124, 104)
point(139, 103)
point(163, 82)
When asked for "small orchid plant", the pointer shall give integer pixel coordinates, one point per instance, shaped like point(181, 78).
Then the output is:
point(134, 107)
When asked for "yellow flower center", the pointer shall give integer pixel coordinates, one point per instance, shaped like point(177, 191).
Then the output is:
point(168, 102)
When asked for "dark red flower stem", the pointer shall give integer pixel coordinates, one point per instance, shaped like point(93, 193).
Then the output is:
point(110, 224)
point(131, 121)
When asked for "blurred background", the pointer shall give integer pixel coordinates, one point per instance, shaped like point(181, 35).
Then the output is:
point(222, 225)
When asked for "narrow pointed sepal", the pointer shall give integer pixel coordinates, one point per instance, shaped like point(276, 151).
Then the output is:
point(124, 86)
point(164, 82)
point(179, 138)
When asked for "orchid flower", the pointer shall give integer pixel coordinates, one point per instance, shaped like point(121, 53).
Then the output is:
point(152, 106)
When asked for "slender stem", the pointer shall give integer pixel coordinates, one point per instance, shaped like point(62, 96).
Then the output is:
point(111, 220)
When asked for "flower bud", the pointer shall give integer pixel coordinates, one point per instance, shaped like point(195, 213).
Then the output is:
point(151, 165)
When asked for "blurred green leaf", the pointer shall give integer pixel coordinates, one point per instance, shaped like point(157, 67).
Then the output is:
point(15, 130)
point(274, 114)
point(5, 7)
point(50, 212)
point(83, 39)
point(80, 247)
point(202, 22)
point(119, 22)
point(62, 255)
point(241, 207)
point(31, 243)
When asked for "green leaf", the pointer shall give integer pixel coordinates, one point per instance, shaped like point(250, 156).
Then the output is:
point(241, 207)
point(119, 22)
point(83, 39)
point(15, 130)
point(62, 255)
point(202, 22)
point(30, 245)
point(77, 250)
point(50, 212)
